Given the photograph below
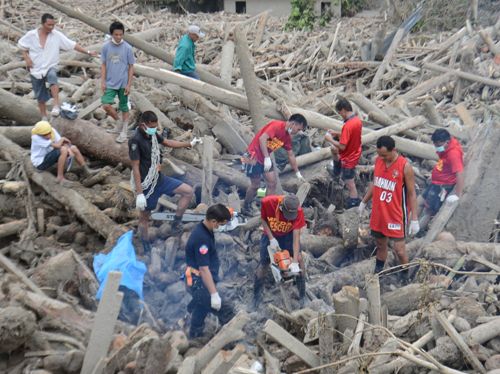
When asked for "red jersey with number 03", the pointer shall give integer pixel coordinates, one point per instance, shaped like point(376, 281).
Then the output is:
point(279, 225)
point(278, 137)
point(389, 214)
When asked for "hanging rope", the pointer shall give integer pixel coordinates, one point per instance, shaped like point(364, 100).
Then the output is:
point(152, 176)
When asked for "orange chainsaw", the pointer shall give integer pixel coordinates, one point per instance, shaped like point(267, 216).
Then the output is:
point(280, 264)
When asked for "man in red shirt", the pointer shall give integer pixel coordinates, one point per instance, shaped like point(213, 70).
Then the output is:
point(282, 219)
point(447, 179)
point(393, 184)
point(347, 150)
point(257, 160)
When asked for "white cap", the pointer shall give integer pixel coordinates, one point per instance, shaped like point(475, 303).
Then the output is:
point(193, 29)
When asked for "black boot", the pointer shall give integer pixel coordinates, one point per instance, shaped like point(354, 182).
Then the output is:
point(301, 286)
point(176, 226)
point(352, 202)
point(379, 266)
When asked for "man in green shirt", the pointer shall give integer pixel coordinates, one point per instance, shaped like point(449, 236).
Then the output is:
point(184, 55)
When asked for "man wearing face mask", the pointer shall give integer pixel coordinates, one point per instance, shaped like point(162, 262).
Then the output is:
point(447, 179)
point(117, 71)
point(257, 160)
point(146, 179)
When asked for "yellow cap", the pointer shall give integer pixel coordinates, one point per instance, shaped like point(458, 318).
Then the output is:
point(43, 128)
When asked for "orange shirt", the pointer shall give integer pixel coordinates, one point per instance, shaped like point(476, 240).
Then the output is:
point(351, 138)
point(279, 225)
point(278, 137)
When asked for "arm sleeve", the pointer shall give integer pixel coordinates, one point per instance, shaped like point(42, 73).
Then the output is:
point(25, 42)
point(57, 136)
point(133, 150)
point(456, 162)
point(130, 56)
point(300, 221)
point(65, 43)
point(201, 254)
point(180, 57)
point(345, 135)
point(104, 53)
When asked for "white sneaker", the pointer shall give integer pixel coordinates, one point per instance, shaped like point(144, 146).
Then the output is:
point(55, 111)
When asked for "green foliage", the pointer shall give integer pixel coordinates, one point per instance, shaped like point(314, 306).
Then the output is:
point(302, 16)
point(351, 7)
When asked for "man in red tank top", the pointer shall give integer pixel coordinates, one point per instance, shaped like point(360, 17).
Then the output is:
point(393, 186)
point(346, 151)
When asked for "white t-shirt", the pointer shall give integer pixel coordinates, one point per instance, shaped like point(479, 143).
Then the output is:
point(48, 57)
point(40, 146)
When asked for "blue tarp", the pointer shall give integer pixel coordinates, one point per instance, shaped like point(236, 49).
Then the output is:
point(121, 258)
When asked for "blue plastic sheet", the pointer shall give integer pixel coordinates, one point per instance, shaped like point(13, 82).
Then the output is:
point(121, 258)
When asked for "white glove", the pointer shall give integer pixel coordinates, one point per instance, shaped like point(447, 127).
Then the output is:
point(273, 243)
point(452, 198)
point(300, 177)
point(414, 228)
point(140, 202)
point(329, 137)
point(294, 267)
point(361, 208)
point(215, 301)
point(267, 164)
point(196, 141)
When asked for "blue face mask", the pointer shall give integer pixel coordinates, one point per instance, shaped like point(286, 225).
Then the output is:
point(441, 148)
point(150, 130)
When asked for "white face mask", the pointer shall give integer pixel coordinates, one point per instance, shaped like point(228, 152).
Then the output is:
point(289, 130)
point(115, 42)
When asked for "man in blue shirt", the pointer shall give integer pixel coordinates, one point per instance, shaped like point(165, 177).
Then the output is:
point(184, 62)
point(202, 272)
point(117, 71)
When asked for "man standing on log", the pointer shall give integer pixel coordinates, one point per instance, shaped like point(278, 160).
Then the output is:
point(447, 179)
point(393, 184)
point(202, 272)
point(117, 71)
point(347, 150)
point(257, 160)
point(48, 148)
point(146, 179)
point(184, 62)
point(282, 219)
point(40, 48)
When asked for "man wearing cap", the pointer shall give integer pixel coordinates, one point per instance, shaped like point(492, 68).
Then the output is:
point(257, 160)
point(447, 179)
point(184, 62)
point(40, 48)
point(49, 148)
point(282, 219)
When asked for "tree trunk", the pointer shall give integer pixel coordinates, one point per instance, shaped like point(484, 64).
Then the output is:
point(18, 109)
point(21, 135)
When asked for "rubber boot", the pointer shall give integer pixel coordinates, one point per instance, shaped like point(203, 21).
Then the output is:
point(87, 172)
point(379, 266)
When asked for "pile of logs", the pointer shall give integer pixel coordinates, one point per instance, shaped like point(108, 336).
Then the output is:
point(251, 71)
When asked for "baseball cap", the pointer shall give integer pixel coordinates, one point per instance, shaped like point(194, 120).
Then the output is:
point(290, 207)
point(193, 29)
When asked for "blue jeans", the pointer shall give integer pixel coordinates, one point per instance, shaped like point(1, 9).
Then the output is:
point(40, 90)
point(191, 74)
point(50, 159)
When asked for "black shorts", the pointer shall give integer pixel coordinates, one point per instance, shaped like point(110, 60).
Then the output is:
point(379, 235)
point(347, 173)
point(253, 171)
point(434, 195)
point(285, 242)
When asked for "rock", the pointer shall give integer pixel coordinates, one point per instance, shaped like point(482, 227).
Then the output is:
point(469, 309)
point(100, 114)
point(66, 234)
point(175, 292)
point(55, 271)
point(445, 235)
point(492, 363)
point(461, 324)
point(17, 325)
point(494, 344)
point(80, 238)
point(178, 340)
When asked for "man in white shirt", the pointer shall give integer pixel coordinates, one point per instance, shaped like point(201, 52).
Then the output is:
point(49, 148)
point(40, 48)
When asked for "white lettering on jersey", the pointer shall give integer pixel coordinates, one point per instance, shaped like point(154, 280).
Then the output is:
point(394, 226)
point(384, 183)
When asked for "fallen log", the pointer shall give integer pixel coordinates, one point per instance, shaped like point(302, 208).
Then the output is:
point(18, 109)
point(231, 332)
point(13, 227)
point(21, 135)
point(462, 74)
point(387, 59)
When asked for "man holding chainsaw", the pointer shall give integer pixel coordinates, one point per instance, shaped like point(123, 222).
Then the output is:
point(257, 159)
point(282, 219)
point(202, 271)
point(149, 183)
